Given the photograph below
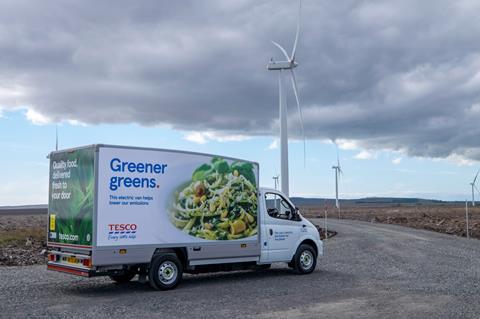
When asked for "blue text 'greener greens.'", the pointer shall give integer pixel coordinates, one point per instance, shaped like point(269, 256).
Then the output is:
point(119, 166)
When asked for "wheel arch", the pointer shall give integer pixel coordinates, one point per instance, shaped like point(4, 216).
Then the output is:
point(181, 253)
point(309, 242)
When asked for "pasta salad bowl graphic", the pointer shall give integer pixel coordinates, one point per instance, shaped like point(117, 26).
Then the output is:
point(218, 203)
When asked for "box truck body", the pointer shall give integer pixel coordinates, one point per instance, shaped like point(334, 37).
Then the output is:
point(118, 210)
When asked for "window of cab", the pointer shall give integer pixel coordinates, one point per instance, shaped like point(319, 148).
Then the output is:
point(279, 207)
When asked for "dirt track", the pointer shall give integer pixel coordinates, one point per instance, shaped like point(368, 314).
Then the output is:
point(370, 271)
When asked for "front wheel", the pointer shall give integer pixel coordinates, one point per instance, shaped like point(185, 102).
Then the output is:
point(305, 260)
point(165, 272)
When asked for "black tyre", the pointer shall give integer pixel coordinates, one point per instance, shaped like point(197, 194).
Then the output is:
point(123, 278)
point(305, 260)
point(165, 272)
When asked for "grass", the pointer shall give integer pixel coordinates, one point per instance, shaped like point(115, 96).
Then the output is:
point(19, 236)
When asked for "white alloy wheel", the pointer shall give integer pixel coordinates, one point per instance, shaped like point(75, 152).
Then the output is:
point(167, 272)
point(306, 260)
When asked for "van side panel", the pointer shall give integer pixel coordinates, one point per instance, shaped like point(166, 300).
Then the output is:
point(144, 201)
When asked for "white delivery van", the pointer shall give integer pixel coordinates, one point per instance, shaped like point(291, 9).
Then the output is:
point(121, 211)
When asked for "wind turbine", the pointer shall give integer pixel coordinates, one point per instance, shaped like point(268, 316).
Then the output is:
point(288, 64)
point(338, 171)
point(474, 187)
point(275, 178)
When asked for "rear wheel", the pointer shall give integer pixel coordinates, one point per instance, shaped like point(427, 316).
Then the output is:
point(305, 260)
point(165, 272)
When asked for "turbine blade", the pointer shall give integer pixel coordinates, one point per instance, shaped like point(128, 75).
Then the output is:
point(300, 115)
point(298, 31)
point(476, 188)
point(281, 49)
point(476, 177)
point(338, 158)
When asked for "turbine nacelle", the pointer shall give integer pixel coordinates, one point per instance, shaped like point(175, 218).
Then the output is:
point(281, 65)
point(338, 169)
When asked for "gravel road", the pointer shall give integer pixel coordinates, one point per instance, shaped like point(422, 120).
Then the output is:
point(369, 271)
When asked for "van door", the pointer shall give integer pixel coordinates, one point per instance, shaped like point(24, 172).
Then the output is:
point(282, 227)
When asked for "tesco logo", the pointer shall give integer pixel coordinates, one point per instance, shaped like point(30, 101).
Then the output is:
point(122, 227)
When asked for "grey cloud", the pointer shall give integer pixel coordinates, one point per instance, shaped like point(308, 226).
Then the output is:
point(401, 75)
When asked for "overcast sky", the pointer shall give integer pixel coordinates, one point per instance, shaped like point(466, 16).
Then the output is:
point(375, 76)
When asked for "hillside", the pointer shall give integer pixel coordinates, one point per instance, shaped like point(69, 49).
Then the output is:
point(368, 201)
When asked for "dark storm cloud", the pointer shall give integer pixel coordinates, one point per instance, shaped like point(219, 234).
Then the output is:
point(399, 75)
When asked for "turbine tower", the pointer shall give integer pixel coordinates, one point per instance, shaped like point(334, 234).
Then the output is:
point(338, 171)
point(287, 65)
point(474, 187)
point(56, 137)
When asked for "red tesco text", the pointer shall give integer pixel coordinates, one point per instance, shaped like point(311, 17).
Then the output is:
point(121, 227)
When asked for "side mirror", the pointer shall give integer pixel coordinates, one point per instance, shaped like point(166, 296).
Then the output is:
point(297, 213)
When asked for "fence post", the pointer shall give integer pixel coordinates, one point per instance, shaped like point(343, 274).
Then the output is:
point(466, 219)
point(325, 222)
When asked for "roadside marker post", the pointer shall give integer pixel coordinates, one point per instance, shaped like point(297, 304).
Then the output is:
point(466, 219)
point(325, 221)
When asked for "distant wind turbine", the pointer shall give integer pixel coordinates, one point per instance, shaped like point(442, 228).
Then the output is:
point(338, 171)
point(56, 137)
point(275, 178)
point(288, 64)
point(474, 187)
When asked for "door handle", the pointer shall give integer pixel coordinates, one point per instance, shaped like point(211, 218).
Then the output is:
point(304, 225)
point(271, 231)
